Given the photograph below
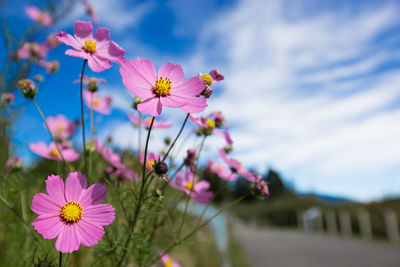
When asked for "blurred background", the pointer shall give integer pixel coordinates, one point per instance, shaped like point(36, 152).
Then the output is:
point(312, 97)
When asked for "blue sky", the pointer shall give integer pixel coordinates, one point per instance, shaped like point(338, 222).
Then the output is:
point(312, 88)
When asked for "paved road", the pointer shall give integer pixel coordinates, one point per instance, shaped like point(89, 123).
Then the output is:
point(280, 248)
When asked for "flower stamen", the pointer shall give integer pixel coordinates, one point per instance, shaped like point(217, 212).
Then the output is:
point(71, 212)
point(89, 47)
point(163, 86)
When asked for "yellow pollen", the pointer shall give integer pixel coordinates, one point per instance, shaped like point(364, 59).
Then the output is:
point(207, 79)
point(95, 102)
point(190, 186)
point(163, 86)
point(210, 123)
point(89, 47)
point(71, 212)
point(168, 263)
point(150, 163)
point(148, 120)
point(61, 128)
point(54, 153)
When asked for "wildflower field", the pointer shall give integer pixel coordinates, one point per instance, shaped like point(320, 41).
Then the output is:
point(81, 202)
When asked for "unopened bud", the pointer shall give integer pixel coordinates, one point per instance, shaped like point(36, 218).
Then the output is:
point(92, 85)
point(161, 168)
point(53, 66)
point(136, 102)
point(38, 78)
point(207, 92)
point(167, 140)
point(28, 88)
point(228, 149)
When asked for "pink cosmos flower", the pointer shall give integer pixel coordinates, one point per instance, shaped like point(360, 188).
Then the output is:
point(33, 50)
point(71, 212)
point(167, 261)
point(118, 168)
point(41, 17)
point(208, 126)
point(90, 11)
point(101, 105)
point(52, 41)
point(236, 166)
point(61, 127)
point(221, 171)
point(190, 186)
point(13, 163)
point(151, 160)
point(90, 80)
point(167, 88)
point(262, 186)
point(51, 152)
point(97, 49)
point(162, 124)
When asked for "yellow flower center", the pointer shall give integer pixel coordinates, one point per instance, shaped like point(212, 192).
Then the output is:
point(61, 128)
point(71, 212)
point(190, 186)
point(163, 86)
point(207, 79)
point(150, 163)
point(210, 123)
point(54, 153)
point(168, 263)
point(89, 47)
point(95, 102)
point(148, 120)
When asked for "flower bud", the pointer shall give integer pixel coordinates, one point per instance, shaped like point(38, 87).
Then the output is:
point(136, 102)
point(52, 66)
point(13, 164)
point(92, 85)
point(167, 140)
point(228, 149)
point(39, 78)
point(161, 168)
point(207, 92)
point(8, 98)
point(28, 88)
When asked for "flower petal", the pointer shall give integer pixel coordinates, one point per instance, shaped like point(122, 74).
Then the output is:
point(173, 101)
point(67, 240)
point(101, 214)
point(88, 233)
point(115, 50)
point(195, 105)
point(151, 106)
point(48, 226)
point(83, 30)
point(70, 154)
point(191, 87)
point(102, 37)
point(75, 185)
point(173, 71)
point(42, 204)
point(139, 77)
point(95, 194)
point(55, 189)
point(98, 63)
point(68, 39)
point(76, 53)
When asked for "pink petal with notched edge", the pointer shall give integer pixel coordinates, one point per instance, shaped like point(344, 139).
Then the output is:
point(68, 40)
point(70, 154)
point(75, 53)
point(67, 241)
point(172, 71)
point(139, 77)
point(102, 37)
point(49, 226)
point(42, 204)
point(95, 194)
point(191, 87)
point(74, 185)
point(88, 233)
point(98, 63)
point(39, 148)
point(100, 214)
point(115, 50)
point(151, 106)
point(55, 189)
point(83, 30)
point(225, 135)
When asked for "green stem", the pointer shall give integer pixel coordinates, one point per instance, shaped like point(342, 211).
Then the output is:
point(176, 138)
point(60, 260)
point(173, 245)
point(52, 137)
point(83, 121)
point(140, 200)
